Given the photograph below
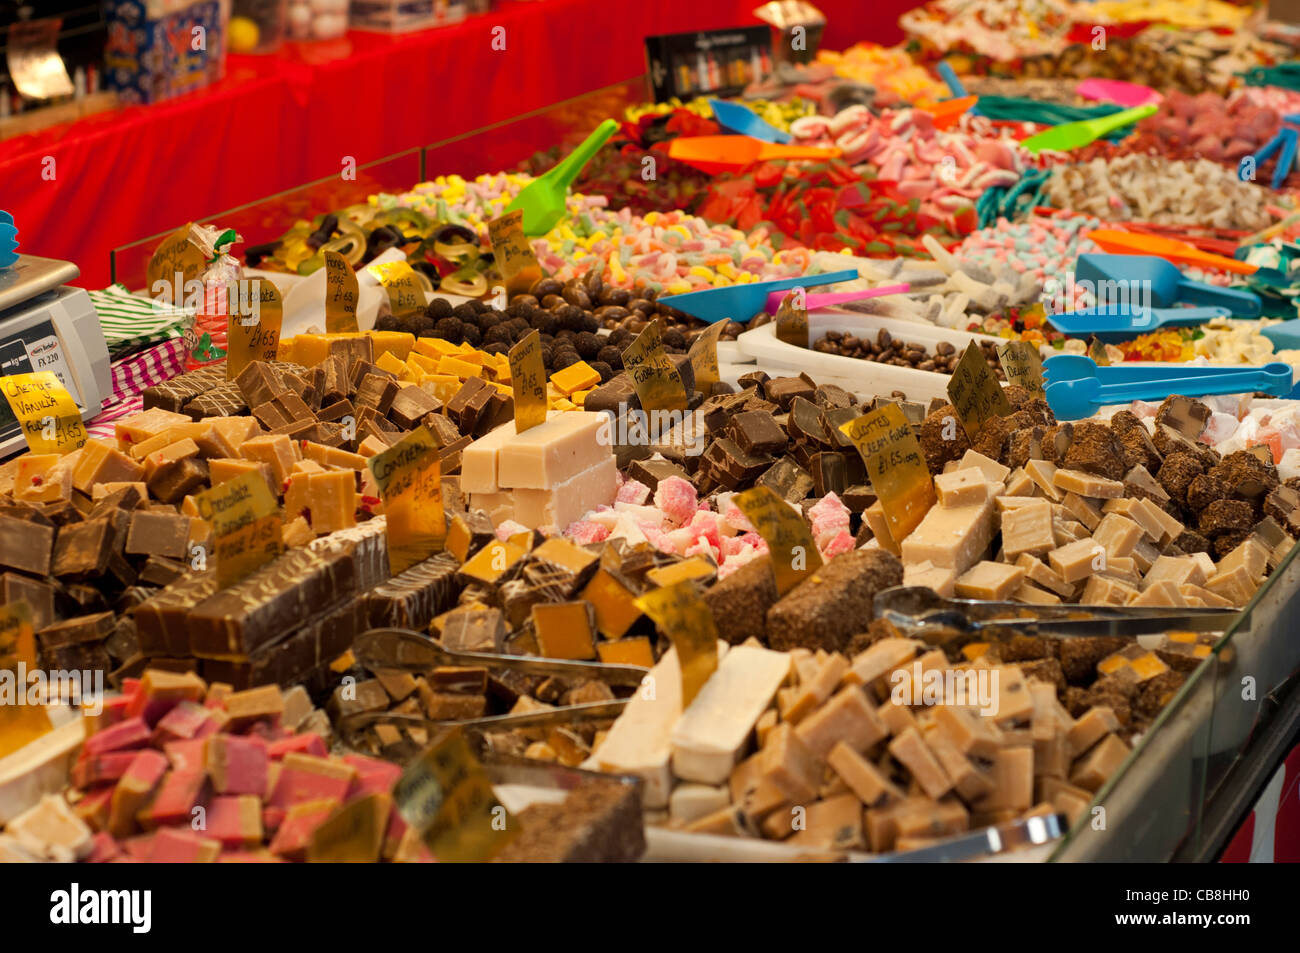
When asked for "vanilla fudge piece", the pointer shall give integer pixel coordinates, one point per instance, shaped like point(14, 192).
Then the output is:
point(1028, 529)
point(1089, 728)
point(1012, 775)
point(880, 659)
point(1030, 594)
point(1077, 560)
point(970, 782)
point(862, 777)
point(874, 517)
point(989, 580)
point(1235, 585)
point(848, 717)
point(1018, 483)
point(1082, 509)
point(955, 538)
point(1038, 572)
point(1043, 473)
point(1087, 485)
point(1004, 503)
point(690, 802)
point(569, 500)
point(708, 738)
point(1251, 554)
point(973, 734)
point(478, 461)
point(964, 487)
point(1101, 761)
point(51, 831)
point(1106, 591)
point(550, 453)
point(832, 824)
point(1117, 535)
point(993, 471)
point(788, 765)
point(910, 750)
point(941, 579)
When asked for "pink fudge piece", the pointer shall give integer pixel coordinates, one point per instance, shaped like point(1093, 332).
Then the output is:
point(702, 547)
point(96, 769)
point(373, 776)
point(178, 845)
point(189, 755)
point(271, 818)
point(585, 531)
point(179, 794)
point(306, 743)
point(705, 523)
point(735, 518)
point(842, 543)
point(139, 847)
point(103, 848)
point(677, 499)
point(235, 821)
point(633, 491)
point(828, 516)
point(303, 784)
point(183, 722)
point(132, 733)
point(509, 528)
point(237, 765)
point(115, 711)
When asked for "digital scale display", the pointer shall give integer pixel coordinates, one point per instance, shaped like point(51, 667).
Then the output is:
point(36, 348)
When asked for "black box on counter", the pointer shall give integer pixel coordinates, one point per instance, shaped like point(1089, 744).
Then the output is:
point(708, 62)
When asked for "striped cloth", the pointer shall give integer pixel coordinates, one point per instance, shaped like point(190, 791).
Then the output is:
point(132, 322)
point(131, 375)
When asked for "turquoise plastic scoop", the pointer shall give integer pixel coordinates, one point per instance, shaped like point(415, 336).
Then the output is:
point(543, 199)
point(1076, 399)
point(1119, 322)
point(830, 298)
point(1285, 336)
point(742, 302)
point(1154, 278)
point(1065, 367)
point(745, 121)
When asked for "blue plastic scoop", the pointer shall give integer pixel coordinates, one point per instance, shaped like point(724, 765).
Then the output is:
point(742, 302)
point(1067, 367)
point(745, 121)
point(1285, 336)
point(1122, 321)
point(1145, 277)
point(1076, 399)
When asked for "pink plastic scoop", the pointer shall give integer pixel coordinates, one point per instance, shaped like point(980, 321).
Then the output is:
point(813, 301)
point(1118, 91)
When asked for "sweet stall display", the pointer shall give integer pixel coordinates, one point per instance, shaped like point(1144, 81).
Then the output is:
point(897, 481)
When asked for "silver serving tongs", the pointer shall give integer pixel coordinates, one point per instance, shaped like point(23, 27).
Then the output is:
point(915, 609)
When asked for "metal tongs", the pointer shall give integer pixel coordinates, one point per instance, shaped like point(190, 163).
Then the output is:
point(916, 609)
point(403, 650)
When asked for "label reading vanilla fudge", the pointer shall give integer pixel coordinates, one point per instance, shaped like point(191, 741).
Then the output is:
point(528, 381)
point(341, 294)
point(50, 420)
point(245, 525)
point(1022, 366)
point(687, 621)
point(895, 466)
point(447, 797)
point(657, 383)
point(975, 392)
point(790, 545)
point(409, 477)
point(254, 334)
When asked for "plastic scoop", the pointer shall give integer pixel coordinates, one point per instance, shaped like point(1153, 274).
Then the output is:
point(946, 112)
point(1118, 322)
point(1066, 367)
point(1285, 336)
point(829, 298)
point(1162, 282)
point(742, 119)
point(742, 302)
point(1076, 399)
point(1118, 91)
point(543, 199)
point(1075, 135)
point(1171, 249)
point(8, 240)
point(949, 77)
point(713, 154)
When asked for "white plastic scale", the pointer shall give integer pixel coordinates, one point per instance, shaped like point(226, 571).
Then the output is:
point(47, 326)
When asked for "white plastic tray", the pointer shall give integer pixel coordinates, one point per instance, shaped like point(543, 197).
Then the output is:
point(866, 378)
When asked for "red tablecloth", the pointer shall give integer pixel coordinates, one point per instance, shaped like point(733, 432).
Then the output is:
point(78, 190)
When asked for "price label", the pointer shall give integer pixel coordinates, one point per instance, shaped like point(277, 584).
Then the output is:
point(687, 621)
point(175, 262)
point(703, 356)
point(895, 466)
point(528, 380)
point(1097, 351)
point(354, 834)
point(254, 333)
point(657, 382)
point(975, 392)
point(792, 319)
point(405, 292)
point(20, 723)
point(446, 796)
point(341, 294)
point(245, 525)
point(1022, 365)
point(17, 639)
point(790, 545)
point(409, 478)
point(50, 420)
point(513, 252)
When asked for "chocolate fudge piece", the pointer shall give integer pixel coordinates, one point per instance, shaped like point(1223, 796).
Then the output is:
point(739, 602)
point(757, 433)
point(1223, 516)
point(942, 437)
point(598, 822)
point(38, 595)
point(1139, 448)
point(172, 482)
point(1192, 542)
point(83, 549)
point(158, 534)
point(224, 400)
point(304, 651)
point(1177, 473)
point(1283, 504)
point(831, 604)
point(412, 598)
point(174, 394)
point(26, 545)
point(790, 481)
point(783, 390)
point(1244, 476)
point(474, 630)
point(1186, 415)
point(470, 403)
point(410, 404)
point(651, 471)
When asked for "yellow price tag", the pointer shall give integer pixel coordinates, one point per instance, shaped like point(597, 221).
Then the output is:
point(790, 545)
point(341, 294)
point(175, 262)
point(895, 466)
point(254, 334)
point(703, 356)
point(687, 621)
point(409, 477)
point(50, 420)
point(513, 252)
point(657, 382)
point(528, 380)
point(1022, 365)
point(245, 525)
point(975, 392)
point(354, 834)
point(405, 291)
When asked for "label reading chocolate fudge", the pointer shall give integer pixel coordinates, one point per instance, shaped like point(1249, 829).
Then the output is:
point(50, 420)
point(974, 391)
point(895, 466)
point(790, 545)
point(687, 621)
point(656, 380)
point(409, 477)
point(513, 252)
point(354, 834)
point(528, 381)
point(1022, 365)
point(253, 334)
point(446, 796)
point(175, 262)
point(703, 356)
point(245, 525)
point(340, 294)
point(792, 319)
point(405, 292)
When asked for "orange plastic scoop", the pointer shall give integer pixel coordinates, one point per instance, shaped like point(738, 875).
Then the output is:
point(1171, 249)
point(726, 153)
point(946, 112)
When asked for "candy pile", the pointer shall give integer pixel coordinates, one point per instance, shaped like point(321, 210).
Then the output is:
point(893, 73)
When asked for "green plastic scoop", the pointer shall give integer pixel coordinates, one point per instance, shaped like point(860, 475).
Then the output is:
point(542, 200)
point(1075, 135)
